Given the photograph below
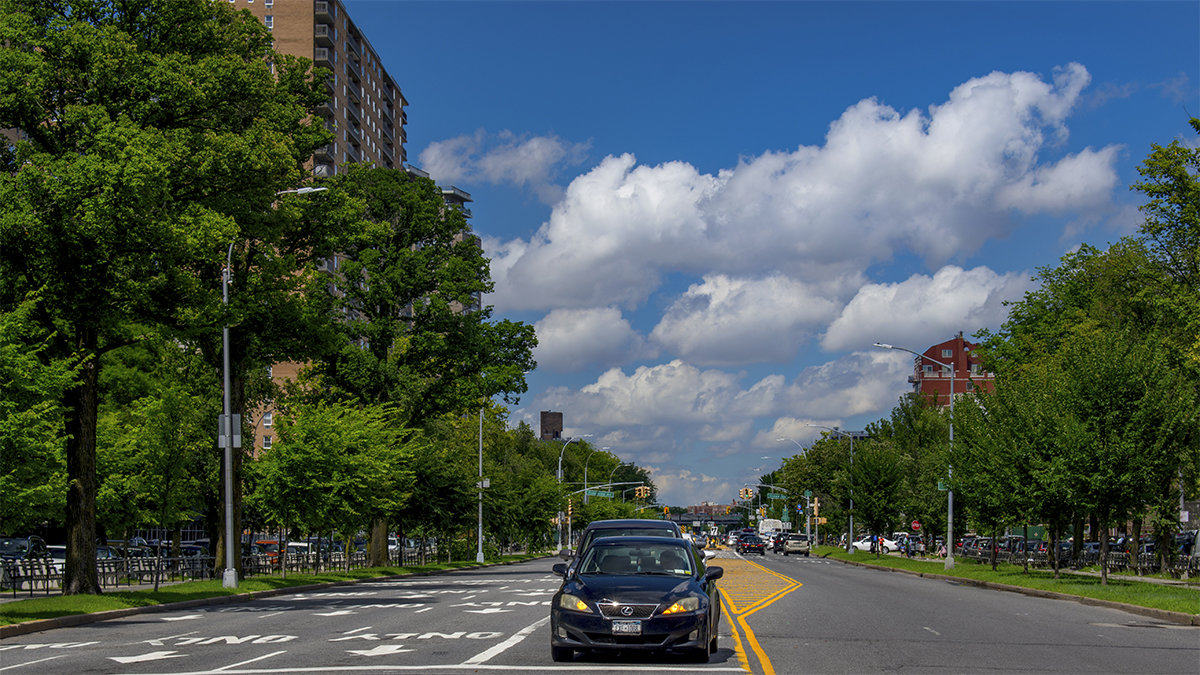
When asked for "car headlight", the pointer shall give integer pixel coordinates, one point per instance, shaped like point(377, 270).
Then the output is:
point(685, 605)
point(573, 603)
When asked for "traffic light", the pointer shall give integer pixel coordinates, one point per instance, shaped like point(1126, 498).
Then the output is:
point(569, 509)
point(746, 493)
point(641, 492)
point(666, 510)
point(816, 506)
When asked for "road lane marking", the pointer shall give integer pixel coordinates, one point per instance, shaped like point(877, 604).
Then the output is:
point(748, 587)
point(150, 656)
point(30, 663)
point(932, 631)
point(496, 650)
point(259, 658)
point(737, 637)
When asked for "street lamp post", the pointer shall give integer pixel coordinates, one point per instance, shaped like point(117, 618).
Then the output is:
point(479, 529)
point(585, 468)
point(949, 564)
point(850, 534)
point(229, 577)
point(560, 477)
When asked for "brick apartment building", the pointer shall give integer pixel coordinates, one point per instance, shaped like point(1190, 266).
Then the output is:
point(366, 107)
point(951, 361)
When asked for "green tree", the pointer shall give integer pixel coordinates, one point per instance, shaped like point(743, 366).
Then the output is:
point(877, 478)
point(32, 467)
point(410, 277)
point(151, 131)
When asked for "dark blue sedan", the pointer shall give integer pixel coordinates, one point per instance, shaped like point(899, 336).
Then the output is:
point(637, 593)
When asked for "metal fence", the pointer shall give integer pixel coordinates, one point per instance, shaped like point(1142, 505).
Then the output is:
point(1117, 561)
point(46, 575)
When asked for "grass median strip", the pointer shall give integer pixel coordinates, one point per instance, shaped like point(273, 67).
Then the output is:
point(35, 608)
point(1183, 598)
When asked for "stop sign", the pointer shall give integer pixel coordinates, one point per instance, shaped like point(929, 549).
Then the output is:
point(916, 525)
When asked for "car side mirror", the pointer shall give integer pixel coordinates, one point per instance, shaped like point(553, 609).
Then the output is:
point(566, 554)
point(714, 573)
point(560, 569)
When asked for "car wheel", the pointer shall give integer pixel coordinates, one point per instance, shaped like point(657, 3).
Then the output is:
point(699, 654)
point(805, 555)
point(886, 550)
point(712, 645)
point(561, 653)
point(785, 554)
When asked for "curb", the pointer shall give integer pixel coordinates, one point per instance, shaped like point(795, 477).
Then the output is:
point(1161, 614)
point(38, 625)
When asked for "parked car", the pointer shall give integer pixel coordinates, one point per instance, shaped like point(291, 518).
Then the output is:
point(636, 593)
point(864, 544)
point(23, 548)
point(796, 543)
point(752, 543)
point(107, 553)
point(732, 539)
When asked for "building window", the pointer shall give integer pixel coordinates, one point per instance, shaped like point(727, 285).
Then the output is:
point(946, 372)
point(268, 3)
point(266, 420)
point(270, 371)
point(266, 442)
point(927, 369)
point(947, 353)
point(269, 21)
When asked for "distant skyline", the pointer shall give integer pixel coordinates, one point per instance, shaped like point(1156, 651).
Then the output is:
point(710, 211)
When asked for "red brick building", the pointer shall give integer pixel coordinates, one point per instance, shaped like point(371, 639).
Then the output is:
point(951, 361)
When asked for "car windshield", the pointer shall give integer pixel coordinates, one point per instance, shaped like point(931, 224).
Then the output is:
point(627, 532)
point(14, 545)
point(640, 558)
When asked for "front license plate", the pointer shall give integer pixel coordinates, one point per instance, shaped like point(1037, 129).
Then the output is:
point(627, 627)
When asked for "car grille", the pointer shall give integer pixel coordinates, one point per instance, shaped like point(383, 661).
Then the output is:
point(613, 610)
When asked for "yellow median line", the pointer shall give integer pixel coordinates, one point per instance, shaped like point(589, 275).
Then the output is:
point(738, 618)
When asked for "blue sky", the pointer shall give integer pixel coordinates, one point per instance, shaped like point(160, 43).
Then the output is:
point(711, 210)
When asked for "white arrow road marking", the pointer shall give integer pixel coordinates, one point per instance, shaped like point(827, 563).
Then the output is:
point(495, 650)
point(182, 618)
point(151, 656)
point(340, 612)
point(381, 650)
point(489, 610)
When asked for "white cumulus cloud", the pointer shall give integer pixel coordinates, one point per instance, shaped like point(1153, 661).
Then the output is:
point(731, 321)
point(530, 162)
point(578, 339)
point(938, 182)
point(923, 310)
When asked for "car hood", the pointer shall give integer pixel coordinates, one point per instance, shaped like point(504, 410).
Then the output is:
point(633, 588)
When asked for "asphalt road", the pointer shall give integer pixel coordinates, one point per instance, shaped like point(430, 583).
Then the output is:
point(782, 615)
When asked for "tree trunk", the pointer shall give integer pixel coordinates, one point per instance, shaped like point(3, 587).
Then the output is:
point(1103, 534)
point(377, 543)
point(1025, 550)
point(1135, 553)
point(79, 570)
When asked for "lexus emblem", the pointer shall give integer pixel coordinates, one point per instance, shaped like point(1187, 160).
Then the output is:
point(627, 611)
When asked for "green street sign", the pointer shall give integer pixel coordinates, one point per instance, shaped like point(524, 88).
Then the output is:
point(775, 495)
point(942, 486)
point(808, 493)
point(600, 493)
point(786, 518)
